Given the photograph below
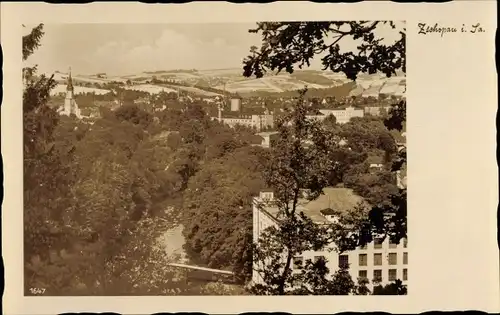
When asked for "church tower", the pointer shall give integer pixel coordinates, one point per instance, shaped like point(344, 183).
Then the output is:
point(70, 106)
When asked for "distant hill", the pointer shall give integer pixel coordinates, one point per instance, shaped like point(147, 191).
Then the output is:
point(214, 82)
point(312, 77)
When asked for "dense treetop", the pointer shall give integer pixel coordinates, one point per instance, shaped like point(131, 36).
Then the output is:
point(286, 45)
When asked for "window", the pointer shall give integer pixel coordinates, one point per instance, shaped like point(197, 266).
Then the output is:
point(343, 261)
point(393, 258)
point(363, 247)
point(363, 274)
point(378, 244)
point(268, 195)
point(392, 274)
point(377, 259)
point(405, 243)
point(405, 258)
point(298, 262)
point(393, 245)
point(377, 275)
point(405, 274)
point(363, 259)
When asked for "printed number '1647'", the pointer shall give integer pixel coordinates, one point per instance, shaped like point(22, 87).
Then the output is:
point(37, 290)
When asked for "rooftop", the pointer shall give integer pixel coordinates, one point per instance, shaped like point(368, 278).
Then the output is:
point(235, 115)
point(335, 199)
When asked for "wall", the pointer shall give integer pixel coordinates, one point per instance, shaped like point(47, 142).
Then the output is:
point(235, 105)
point(354, 267)
point(262, 220)
point(345, 115)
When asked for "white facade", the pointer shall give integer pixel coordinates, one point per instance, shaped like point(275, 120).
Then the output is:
point(385, 261)
point(70, 106)
point(315, 117)
point(266, 138)
point(343, 115)
point(258, 122)
point(235, 104)
point(376, 110)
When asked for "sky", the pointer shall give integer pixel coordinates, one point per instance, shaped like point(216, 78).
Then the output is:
point(123, 49)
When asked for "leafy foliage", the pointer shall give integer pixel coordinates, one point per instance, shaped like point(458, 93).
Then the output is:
point(287, 44)
point(299, 162)
point(395, 288)
point(32, 40)
point(46, 176)
point(323, 161)
point(217, 210)
point(93, 198)
point(308, 157)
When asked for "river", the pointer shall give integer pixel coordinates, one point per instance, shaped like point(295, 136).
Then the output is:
point(173, 241)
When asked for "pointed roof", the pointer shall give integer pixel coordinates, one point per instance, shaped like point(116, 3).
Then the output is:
point(334, 200)
point(69, 87)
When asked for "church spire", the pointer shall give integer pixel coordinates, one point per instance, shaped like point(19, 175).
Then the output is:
point(70, 82)
point(70, 106)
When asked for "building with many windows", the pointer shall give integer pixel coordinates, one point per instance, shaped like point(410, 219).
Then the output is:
point(341, 115)
point(377, 110)
point(259, 122)
point(381, 262)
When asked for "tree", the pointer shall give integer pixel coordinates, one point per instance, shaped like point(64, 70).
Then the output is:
point(132, 113)
point(397, 116)
point(109, 226)
point(330, 122)
point(362, 288)
point(217, 210)
point(299, 166)
point(395, 288)
point(32, 41)
point(174, 141)
point(88, 198)
point(287, 44)
point(46, 172)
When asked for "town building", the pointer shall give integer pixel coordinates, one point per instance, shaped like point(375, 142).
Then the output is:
point(259, 122)
point(383, 261)
point(377, 110)
point(267, 138)
point(90, 112)
point(343, 115)
point(70, 107)
point(236, 104)
point(317, 117)
point(236, 117)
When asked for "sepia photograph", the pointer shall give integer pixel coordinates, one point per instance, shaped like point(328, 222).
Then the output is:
point(264, 158)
